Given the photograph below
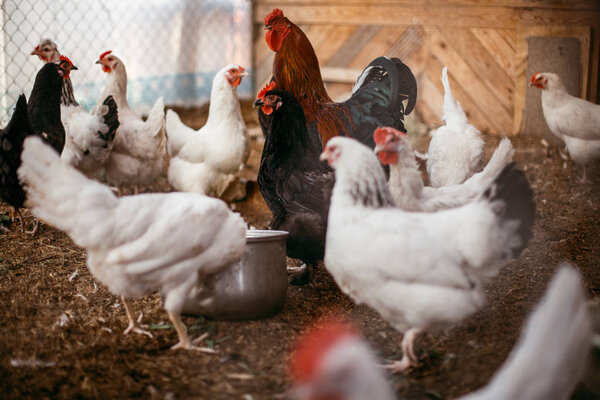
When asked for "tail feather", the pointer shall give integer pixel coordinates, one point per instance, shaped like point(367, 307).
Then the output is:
point(501, 158)
point(156, 118)
point(178, 133)
point(550, 356)
point(453, 111)
point(61, 195)
point(110, 117)
point(511, 188)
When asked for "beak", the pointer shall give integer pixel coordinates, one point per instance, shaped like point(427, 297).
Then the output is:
point(258, 102)
point(99, 62)
point(245, 73)
point(35, 53)
point(74, 68)
point(323, 156)
point(531, 84)
point(266, 28)
point(378, 148)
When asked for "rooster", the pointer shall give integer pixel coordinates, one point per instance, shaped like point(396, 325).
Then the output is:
point(405, 183)
point(412, 267)
point(574, 120)
point(89, 137)
point(139, 146)
point(332, 361)
point(11, 145)
point(377, 97)
point(456, 149)
point(296, 186)
point(207, 161)
point(136, 245)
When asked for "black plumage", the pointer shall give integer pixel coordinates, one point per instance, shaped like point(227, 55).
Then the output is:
point(295, 184)
point(11, 145)
point(44, 104)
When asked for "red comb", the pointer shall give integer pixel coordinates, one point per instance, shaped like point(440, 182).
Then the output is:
point(273, 15)
point(381, 133)
point(64, 58)
point(314, 344)
point(105, 54)
point(265, 89)
point(533, 77)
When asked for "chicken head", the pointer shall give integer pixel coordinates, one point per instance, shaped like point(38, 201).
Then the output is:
point(277, 27)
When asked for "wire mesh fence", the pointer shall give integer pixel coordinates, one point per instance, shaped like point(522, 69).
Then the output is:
point(170, 48)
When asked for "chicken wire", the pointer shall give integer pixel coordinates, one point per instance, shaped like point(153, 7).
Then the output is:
point(170, 48)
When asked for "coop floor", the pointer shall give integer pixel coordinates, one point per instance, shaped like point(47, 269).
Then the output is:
point(61, 331)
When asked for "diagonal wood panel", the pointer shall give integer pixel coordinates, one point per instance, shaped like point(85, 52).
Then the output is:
point(496, 45)
point(361, 37)
point(379, 45)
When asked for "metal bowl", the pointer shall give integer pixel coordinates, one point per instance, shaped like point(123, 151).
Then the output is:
point(254, 287)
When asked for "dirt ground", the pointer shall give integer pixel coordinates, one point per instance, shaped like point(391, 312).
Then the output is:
point(62, 331)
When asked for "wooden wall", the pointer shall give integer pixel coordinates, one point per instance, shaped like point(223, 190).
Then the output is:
point(483, 43)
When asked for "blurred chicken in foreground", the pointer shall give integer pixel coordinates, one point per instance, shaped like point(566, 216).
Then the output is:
point(206, 161)
point(331, 361)
point(136, 245)
point(573, 120)
point(406, 185)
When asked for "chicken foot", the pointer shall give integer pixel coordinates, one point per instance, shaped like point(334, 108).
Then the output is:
point(184, 339)
point(134, 325)
point(409, 357)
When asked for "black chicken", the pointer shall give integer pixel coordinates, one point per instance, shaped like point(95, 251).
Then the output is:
point(11, 145)
point(44, 102)
point(296, 186)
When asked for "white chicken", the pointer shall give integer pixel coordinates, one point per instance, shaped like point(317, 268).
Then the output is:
point(140, 146)
point(89, 137)
point(418, 270)
point(207, 161)
point(136, 245)
point(332, 361)
point(405, 183)
point(456, 149)
point(573, 120)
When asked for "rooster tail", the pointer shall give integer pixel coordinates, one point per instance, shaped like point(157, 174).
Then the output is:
point(453, 112)
point(176, 132)
point(20, 118)
point(156, 124)
point(556, 338)
point(512, 189)
point(110, 117)
point(59, 194)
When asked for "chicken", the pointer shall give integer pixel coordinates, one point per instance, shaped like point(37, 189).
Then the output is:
point(11, 145)
point(333, 361)
point(413, 268)
point(377, 97)
point(89, 138)
point(456, 149)
point(573, 120)
point(295, 184)
point(405, 183)
point(207, 161)
point(44, 102)
point(136, 245)
point(139, 146)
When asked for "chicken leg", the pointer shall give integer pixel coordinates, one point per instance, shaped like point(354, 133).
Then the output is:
point(409, 357)
point(134, 325)
point(184, 339)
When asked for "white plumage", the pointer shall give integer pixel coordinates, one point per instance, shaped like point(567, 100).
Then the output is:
point(135, 245)
point(140, 146)
point(418, 270)
point(456, 149)
point(573, 120)
point(406, 185)
point(206, 161)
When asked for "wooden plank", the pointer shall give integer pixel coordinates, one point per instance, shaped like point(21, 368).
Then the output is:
point(487, 102)
point(495, 78)
point(327, 49)
point(555, 4)
point(385, 38)
point(340, 75)
point(410, 41)
point(427, 15)
point(497, 47)
point(593, 94)
point(355, 43)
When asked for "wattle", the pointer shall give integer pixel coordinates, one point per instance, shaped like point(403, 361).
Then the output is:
point(387, 157)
